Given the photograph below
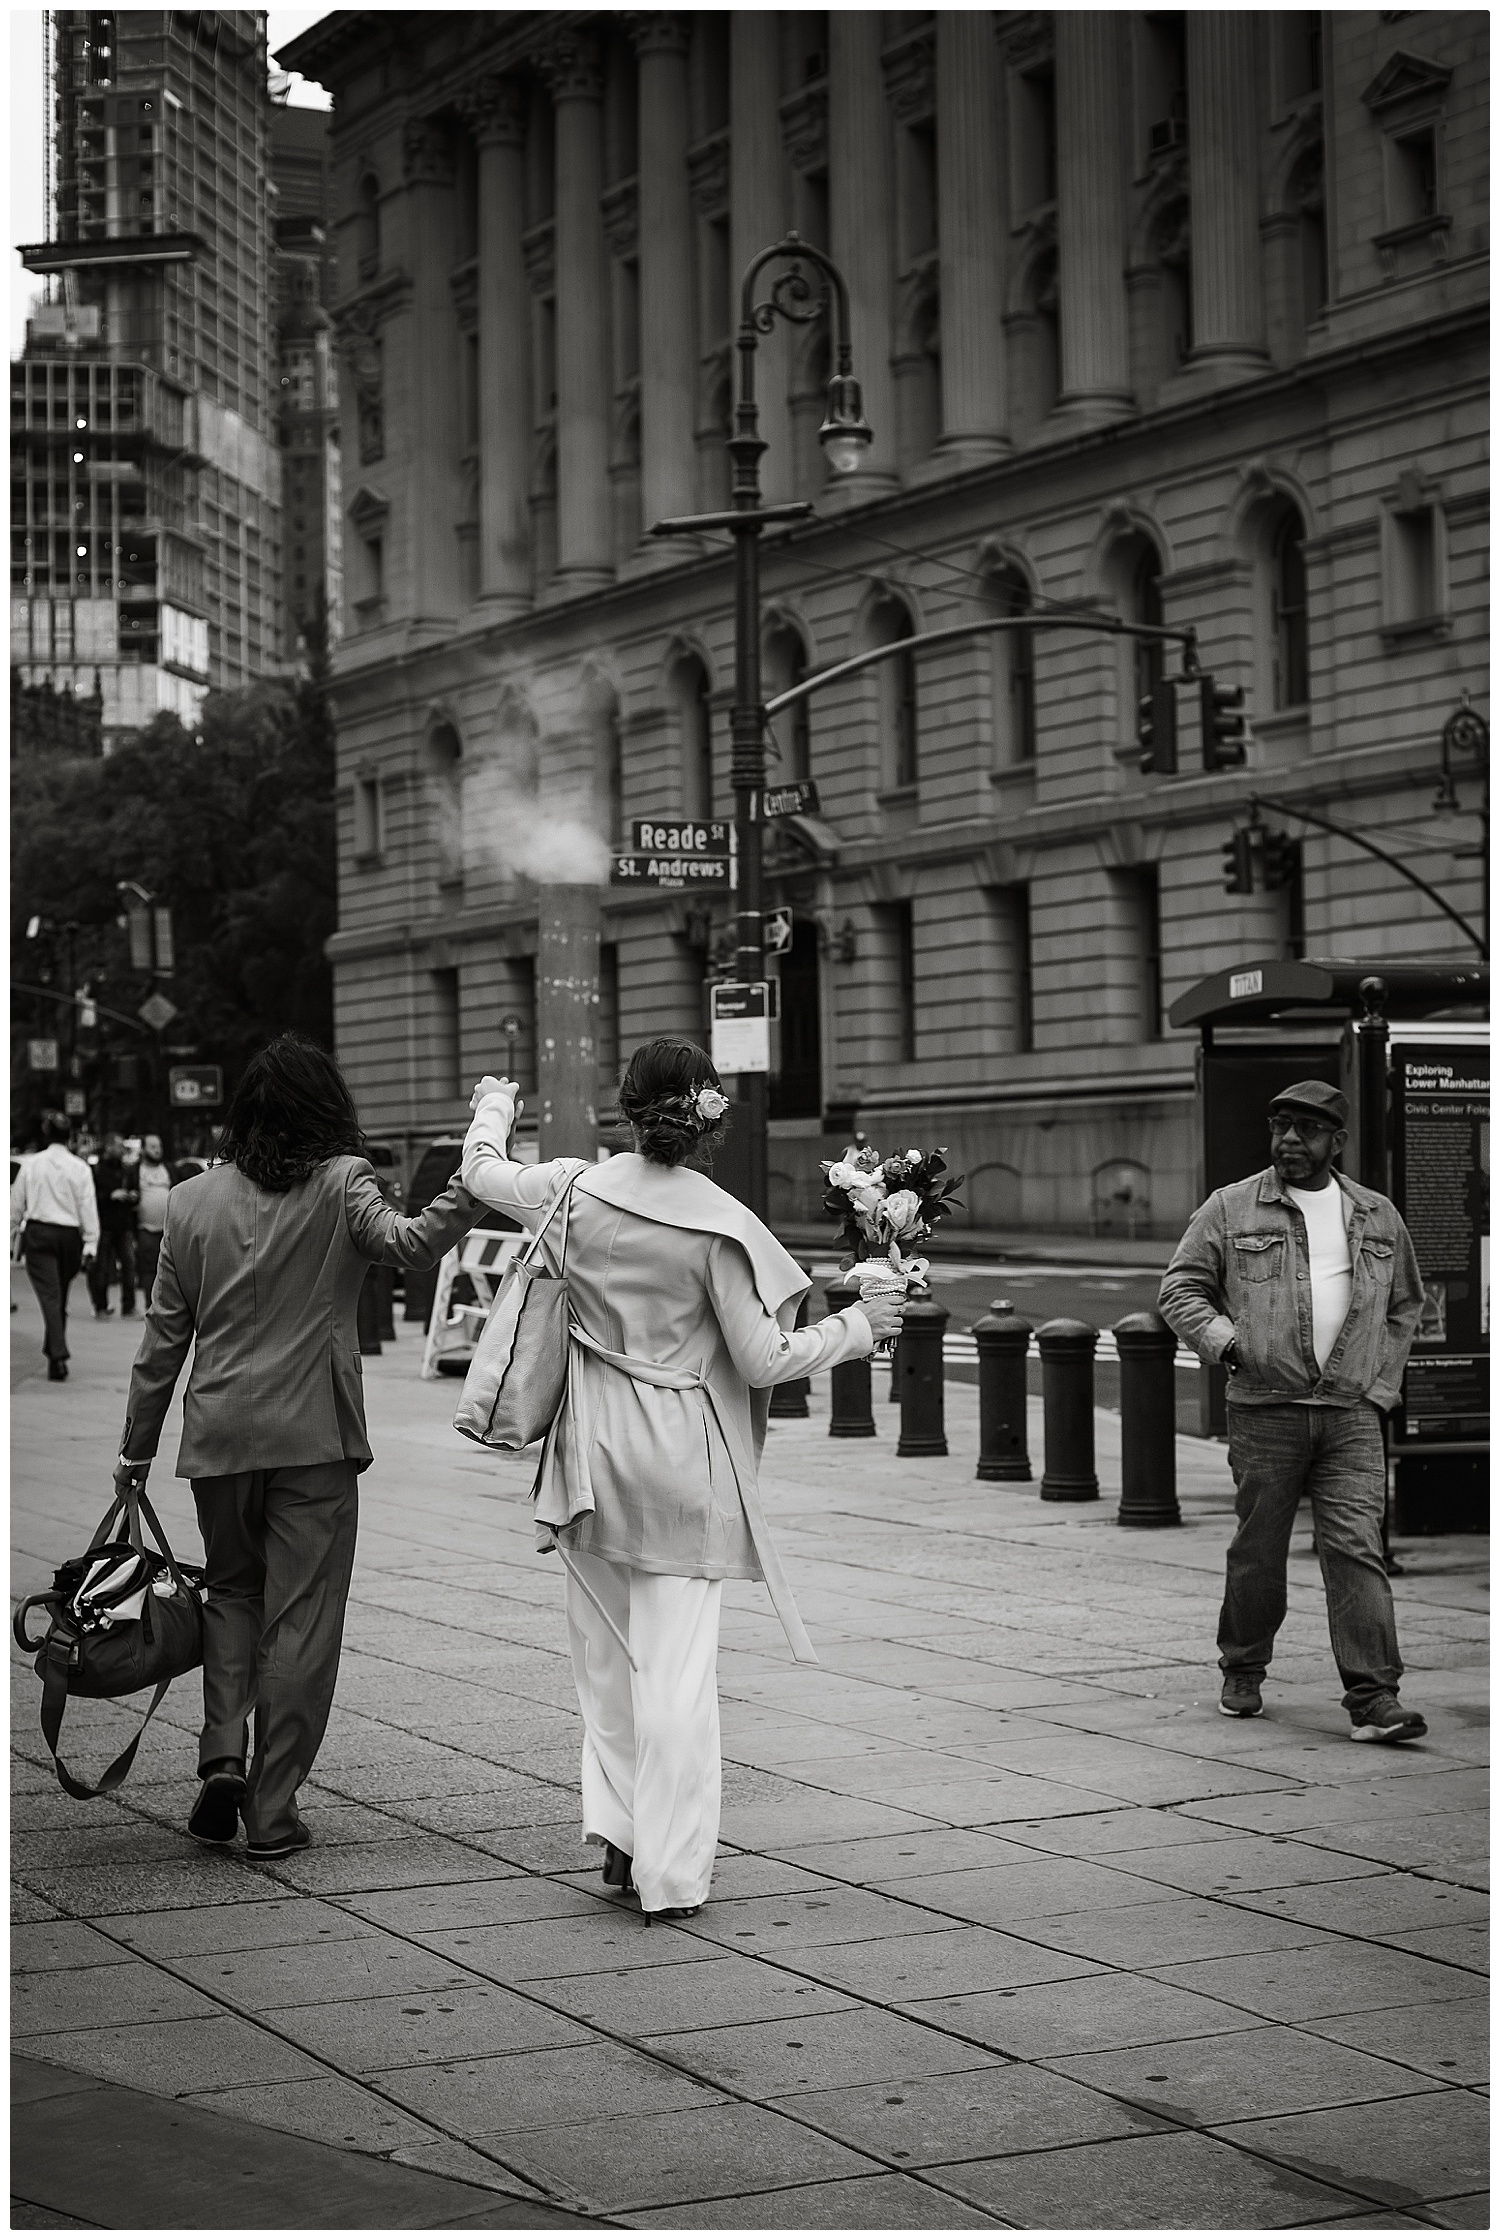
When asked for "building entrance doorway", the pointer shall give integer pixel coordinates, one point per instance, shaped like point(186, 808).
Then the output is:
point(797, 1085)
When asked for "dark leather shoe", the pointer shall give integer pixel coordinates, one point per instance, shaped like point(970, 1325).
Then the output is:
point(674, 1913)
point(215, 1818)
point(57, 1372)
point(616, 1870)
point(281, 1847)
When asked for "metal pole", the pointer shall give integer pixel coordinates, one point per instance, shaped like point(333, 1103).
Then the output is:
point(1374, 1167)
point(1148, 1420)
point(1067, 1351)
point(747, 742)
point(850, 1416)
point(921, 1357)
point(1003, 1338)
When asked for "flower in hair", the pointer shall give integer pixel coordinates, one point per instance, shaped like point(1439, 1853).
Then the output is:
point(710, 1104)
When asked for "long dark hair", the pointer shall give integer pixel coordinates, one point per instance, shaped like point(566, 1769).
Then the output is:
point(291, 1111)
point(657, 1097)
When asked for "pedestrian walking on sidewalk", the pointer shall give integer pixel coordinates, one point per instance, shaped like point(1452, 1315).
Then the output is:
point(55, 1216)
point(154, 1182)
point(682, 1308)
point(117, 1193)
point(262, 1259)
point(1305, 1287)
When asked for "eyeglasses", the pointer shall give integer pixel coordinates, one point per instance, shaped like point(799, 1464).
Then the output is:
point(1299, 1124)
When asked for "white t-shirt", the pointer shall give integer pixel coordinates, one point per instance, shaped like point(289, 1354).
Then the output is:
point(1326, 1213)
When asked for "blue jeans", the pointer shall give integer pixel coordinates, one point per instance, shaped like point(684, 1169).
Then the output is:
point(1337, 1457)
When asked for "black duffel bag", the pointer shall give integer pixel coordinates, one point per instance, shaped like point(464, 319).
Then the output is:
point(124, 1617)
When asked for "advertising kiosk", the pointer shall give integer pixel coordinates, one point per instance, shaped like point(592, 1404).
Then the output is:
point(1407, 1042)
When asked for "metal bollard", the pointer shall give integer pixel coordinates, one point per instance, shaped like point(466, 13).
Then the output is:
point(1067, 1351)
point(1003, 1338)
point(851, 1417)
point(790, 1399)
point(367, 1316)
point(1148, 1420)
point(920, 1354)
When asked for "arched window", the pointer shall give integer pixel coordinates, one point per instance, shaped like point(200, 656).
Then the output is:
point(1288, 589)
point(1012, 671)
point(691, 690)
point(367, 225)
point(1132, 575)
point(890, 624)
point(785, 664)
point(445, 766)
point(1145, 606)
point(609, 781)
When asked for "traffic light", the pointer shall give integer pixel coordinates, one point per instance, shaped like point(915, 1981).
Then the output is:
point(1156, 729)
point(1280, 860)
point(1225, 727)
point(1239, 863)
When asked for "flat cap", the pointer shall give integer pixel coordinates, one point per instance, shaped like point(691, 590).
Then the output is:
point(1313, 1096)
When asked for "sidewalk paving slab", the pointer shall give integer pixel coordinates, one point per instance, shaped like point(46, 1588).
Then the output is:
point(1008, 1925)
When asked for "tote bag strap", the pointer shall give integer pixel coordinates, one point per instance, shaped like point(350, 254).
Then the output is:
point(562, 1196)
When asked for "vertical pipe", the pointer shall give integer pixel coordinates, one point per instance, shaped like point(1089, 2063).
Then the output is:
point(567, 992)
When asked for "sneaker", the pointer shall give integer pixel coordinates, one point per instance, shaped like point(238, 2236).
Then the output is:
point(1239, 1697)
point(1385, 1721)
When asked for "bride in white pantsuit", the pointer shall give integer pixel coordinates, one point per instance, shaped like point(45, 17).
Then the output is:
point(682, 1308)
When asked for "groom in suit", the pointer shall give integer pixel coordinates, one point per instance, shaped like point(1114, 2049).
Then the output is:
point(261, 1264)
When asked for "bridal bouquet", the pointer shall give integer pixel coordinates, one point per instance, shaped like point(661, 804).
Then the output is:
point(882, 1205)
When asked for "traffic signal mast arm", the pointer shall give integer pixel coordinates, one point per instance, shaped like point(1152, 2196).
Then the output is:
point(1108, 623)
point(1326, 824)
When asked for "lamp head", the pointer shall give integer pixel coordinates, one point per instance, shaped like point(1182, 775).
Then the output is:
point(846, 434)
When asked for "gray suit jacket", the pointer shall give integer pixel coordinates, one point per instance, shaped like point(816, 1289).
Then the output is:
point(267, 1283)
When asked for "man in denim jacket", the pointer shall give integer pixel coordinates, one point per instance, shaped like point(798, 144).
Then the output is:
point(1306, 1287)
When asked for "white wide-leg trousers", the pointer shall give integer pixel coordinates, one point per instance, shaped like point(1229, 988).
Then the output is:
point(650, 1737)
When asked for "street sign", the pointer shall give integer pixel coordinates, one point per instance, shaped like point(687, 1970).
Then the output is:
point(799, 799)
point(778, 925)
point(196, 1085)
point(75, 1103)
point(41, 1054)
point(681, 836)
point(157, 1013)
point(670, 874)
point(740, 1014)
point(511, 1028)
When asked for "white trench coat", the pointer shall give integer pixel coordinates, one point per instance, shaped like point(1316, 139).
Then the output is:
point(682, 1306)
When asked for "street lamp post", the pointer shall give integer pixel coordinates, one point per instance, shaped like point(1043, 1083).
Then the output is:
point(845, 436)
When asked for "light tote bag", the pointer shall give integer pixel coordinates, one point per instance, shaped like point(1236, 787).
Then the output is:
point(519, 1372)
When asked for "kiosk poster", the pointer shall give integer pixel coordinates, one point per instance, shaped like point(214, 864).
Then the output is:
point(1441, 1179)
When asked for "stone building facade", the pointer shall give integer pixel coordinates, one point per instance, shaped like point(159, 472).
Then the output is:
point(1170, 317)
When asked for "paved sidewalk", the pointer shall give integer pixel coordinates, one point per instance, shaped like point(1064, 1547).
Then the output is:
point(1008, 1928)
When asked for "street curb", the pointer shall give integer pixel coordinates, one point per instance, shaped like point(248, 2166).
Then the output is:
point(109, 2156)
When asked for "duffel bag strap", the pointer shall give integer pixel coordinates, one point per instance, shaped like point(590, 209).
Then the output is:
point(141, 1507)
point(55, 1702)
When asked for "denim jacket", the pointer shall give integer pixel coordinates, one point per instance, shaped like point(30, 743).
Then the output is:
point(1241, 1272)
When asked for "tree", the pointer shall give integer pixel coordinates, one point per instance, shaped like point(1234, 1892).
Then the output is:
point(231, 827)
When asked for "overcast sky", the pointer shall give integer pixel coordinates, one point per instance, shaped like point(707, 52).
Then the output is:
point(26, 218)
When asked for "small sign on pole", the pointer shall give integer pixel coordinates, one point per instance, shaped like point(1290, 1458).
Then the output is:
point(799, 799)
point(75, 1103)
point(196, 1085)
point(672, 874)
point(778, 932)
point(157, 1012)
point(740, 1017)
point(41, 1053)
point(698, 836)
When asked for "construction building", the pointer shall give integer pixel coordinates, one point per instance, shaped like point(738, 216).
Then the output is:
point(307, 414)
point(145, 494)
point(1174, 318)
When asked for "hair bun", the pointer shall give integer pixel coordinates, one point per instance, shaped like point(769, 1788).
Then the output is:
point(673, 1098)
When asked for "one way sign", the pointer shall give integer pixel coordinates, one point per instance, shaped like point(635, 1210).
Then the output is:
point(778, 932)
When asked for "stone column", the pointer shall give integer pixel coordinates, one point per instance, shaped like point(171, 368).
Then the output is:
point(428, 395)
point(757, 218)
point(1094, 321)
point(584, 539)
point(1229, 320)
point(497, 118)
point(859, 220)
point(971, 235)
point(665, 237)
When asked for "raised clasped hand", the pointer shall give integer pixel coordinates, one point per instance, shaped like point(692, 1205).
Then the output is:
point(496, 1085)
point(883, 1316)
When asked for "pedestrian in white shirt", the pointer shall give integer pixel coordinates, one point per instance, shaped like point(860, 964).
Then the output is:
point(54, 1212)
point(154, 1183)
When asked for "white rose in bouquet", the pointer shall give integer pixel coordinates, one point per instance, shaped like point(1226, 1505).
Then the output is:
point(842, 1176)
point(869, 1198)
point(901, 1213)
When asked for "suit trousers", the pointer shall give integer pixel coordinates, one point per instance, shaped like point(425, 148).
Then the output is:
point(650, 1737)
point(115, 1260)
point(53, 1254)
point(280, 1551)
